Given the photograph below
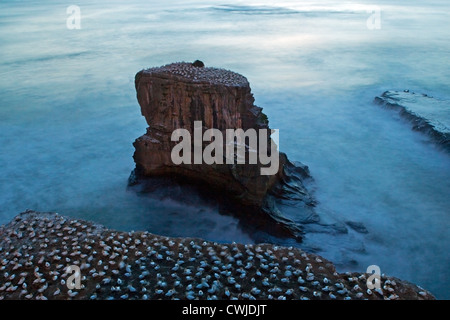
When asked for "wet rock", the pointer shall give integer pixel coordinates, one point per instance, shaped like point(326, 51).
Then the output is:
point(427, 114)
point(357, 226)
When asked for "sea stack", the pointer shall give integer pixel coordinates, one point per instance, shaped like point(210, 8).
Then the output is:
point(173, 97)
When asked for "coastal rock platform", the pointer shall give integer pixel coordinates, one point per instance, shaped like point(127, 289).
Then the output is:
point(37, 248)
point(427, 114)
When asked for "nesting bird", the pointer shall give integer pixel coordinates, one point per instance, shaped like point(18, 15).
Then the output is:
point(196, 72)
point(140, 265)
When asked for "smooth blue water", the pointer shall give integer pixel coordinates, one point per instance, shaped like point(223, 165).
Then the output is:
point(68, 116)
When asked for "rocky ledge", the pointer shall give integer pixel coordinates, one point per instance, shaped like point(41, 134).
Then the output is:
point(172, 97)
point(37, 248)
point(427, 114)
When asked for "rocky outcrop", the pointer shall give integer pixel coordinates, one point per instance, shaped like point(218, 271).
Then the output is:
point(37, 248)
point(427, 114)
point(173, 97)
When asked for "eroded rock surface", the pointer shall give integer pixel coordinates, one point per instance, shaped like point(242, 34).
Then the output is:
point(173, 97)
point(427, 114)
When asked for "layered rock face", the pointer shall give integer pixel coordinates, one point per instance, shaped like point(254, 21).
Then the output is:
point(173, 97)
point(427, 114)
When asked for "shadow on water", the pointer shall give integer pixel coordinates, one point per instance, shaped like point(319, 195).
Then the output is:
point(259, 226)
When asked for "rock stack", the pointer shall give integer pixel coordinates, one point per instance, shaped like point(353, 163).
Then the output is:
point(173, 97)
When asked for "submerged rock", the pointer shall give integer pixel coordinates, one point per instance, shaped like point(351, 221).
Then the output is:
point(36, 250)
point(173, 97)
point(427, 114)
point(357, 226)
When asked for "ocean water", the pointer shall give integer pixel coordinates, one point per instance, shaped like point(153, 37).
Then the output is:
point(69, 115)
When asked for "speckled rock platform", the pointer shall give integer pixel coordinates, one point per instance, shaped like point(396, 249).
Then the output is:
point(37, 248)
point(188, 72)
